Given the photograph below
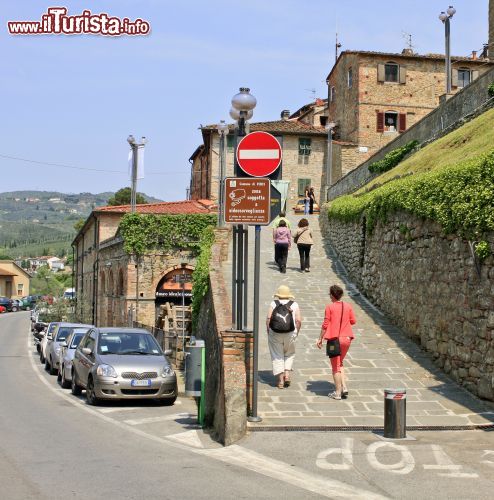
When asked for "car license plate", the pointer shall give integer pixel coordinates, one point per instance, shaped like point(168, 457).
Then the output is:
point(140, 383)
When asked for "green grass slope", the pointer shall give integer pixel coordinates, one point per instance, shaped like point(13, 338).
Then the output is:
point(450, 181)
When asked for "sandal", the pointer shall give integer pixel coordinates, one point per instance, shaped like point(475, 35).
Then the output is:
point(281, 386)
point(287, 382)
point(334, 395)
point(344, 394)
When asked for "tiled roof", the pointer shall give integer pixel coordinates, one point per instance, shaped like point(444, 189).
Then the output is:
point(280, 126)
point(406, 55)
point(165, 207)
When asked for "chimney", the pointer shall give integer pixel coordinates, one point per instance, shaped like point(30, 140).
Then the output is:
point(285, 114)
point(474, 55)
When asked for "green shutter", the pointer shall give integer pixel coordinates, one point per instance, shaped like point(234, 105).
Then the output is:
point(230, 140)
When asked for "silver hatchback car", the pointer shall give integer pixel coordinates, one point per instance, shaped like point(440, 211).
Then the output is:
point(122, 363)
point(66, 356)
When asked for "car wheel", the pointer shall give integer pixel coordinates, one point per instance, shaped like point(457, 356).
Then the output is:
point(14, 309)
point(59, 375)
point(53, 368)
point(74, 387)
point(90, 394)
point(47, 365)
point(168, 401)
point(28, 308)
point(65, 382)
point(41, 357)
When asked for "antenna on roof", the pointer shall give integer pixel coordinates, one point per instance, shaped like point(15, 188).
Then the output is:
point(313, 92)
point(337, 46)
point(408, 40)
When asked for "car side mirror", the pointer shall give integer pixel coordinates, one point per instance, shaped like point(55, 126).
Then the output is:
point(63, 344)
point(168, 352)
point(50, 336)
point(86, 351)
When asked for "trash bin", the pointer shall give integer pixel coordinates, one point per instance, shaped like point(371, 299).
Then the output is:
point(395, 401)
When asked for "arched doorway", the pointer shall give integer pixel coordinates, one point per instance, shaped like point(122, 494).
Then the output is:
point(174, 297)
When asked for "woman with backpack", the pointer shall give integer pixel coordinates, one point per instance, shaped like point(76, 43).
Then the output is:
point(283, 324)
point(337, 330)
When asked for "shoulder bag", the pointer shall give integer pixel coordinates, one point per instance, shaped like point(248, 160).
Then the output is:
point(295, 239)
point(333, 348)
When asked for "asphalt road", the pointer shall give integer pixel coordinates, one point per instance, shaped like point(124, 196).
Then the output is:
point(53, 445)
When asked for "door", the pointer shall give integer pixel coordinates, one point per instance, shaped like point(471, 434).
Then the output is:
point(85, 362)
point(8, 289)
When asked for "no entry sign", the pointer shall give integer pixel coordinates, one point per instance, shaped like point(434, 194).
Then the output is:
point(259, 154)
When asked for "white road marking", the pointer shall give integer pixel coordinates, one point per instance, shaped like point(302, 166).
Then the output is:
point(259, 154)
point(164, 418)
point(190, 438)
point(234, 454)
point(346, 452)
point(404, 466)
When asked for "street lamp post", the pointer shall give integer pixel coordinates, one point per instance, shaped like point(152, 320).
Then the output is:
point(223, 131)
point(445, 18)
point(135, 146)
point(329, 161)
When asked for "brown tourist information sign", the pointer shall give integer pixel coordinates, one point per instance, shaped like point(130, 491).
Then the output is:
point(247, 200)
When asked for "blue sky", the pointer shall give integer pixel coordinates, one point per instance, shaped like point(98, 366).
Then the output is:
point(73, 100)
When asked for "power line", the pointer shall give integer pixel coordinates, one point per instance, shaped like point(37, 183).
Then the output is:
point(62, 165)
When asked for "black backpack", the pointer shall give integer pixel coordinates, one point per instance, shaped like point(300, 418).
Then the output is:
point(282, 319)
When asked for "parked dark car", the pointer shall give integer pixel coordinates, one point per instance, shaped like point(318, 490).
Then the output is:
point(30, 301)
point(7, 303)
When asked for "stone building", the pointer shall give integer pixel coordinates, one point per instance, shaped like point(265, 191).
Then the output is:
point(109, 282)
point(375, 96)
point(14, 281)
point(303, 140)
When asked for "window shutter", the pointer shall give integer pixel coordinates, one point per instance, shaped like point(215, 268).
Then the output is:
point(380, 73)
point(454, 78)
point(402, 124)
point(380, 122)
point(475, 74)
point(403, 74)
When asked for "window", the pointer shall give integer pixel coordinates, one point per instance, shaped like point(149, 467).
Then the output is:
point(302, 184)
point(464, 77)
point(304, 146)
point(230, 141)
point(20, 289)
point(350, 78)
point(332, 94)
point(391, 121)
point(323, 120)
point(391, 72)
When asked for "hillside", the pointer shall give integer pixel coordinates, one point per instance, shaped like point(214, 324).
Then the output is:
point(450, 181)
point(34, 223)
point(469, 141)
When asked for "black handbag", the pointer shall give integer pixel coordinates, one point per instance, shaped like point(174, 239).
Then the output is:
point(333, 347)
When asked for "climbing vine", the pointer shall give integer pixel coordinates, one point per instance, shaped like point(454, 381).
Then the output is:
point(459, 197)
point(482, 250)
point(392, 159)
point(490, 89)
point(144, 232)
point(200, 275)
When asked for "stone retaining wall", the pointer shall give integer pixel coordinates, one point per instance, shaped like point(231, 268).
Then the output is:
point(452, 113)
point(429, 284)
point(227, 353)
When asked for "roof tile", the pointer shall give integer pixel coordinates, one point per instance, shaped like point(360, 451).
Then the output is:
point(166, 207)
point(279, 126)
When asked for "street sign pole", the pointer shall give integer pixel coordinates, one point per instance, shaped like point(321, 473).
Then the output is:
point(257, 265)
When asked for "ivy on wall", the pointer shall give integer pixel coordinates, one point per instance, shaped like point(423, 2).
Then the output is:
point(392, 158)
point(460, 198)
point(145, 232)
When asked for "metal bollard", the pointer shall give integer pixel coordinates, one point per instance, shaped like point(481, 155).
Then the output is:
point(195, 374)
point(395, 415)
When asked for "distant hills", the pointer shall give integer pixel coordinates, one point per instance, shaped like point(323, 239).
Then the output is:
point(34, 223)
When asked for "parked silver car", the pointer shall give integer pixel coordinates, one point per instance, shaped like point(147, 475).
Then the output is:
point(62, 331)
point(122, 363)
point(67, 355)
point(47, 340)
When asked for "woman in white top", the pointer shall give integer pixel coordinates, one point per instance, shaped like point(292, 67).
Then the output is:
point(283, 323)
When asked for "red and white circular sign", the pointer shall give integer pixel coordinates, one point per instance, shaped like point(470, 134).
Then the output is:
point(259, 154)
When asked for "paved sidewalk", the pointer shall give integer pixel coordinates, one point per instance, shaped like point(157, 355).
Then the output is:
point(381, 356)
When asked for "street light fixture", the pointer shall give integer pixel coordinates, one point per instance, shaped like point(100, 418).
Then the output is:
point(329, 161)
point(223, 131)
point(134, 146)
point(243, 103)
point(445, 18)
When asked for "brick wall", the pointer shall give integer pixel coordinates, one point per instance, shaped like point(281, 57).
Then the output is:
point(228, 354)
point(428, 284)
point(449, 115)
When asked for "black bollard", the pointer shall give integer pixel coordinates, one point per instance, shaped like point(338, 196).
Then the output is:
point(395, 415)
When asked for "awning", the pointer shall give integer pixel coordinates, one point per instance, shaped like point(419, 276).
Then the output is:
point(3, 272)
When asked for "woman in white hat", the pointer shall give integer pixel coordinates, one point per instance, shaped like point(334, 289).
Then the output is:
point(283, 324)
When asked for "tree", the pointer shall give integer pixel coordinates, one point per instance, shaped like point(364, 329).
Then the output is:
point(78, 225)
point(122, 197)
